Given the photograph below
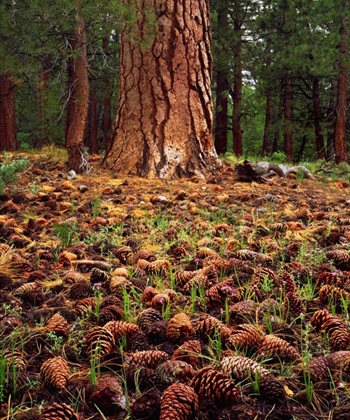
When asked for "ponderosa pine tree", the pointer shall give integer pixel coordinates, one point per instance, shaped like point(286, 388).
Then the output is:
point(164, 121)
point(8, 129)
point(340, 151)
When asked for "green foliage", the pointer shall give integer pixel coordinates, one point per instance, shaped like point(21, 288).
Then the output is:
point(10, 169)
point(66, 232)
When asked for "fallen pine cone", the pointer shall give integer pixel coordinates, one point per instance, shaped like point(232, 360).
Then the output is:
point(179, 402)
point(57, 411)
point(108, 394)
point(215, 385)
point(54, 373)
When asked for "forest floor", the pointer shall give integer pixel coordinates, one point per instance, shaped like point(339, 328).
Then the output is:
point(146, 299)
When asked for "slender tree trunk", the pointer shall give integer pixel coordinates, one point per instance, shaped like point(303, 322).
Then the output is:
point(317, 118)
point(266, 138)
point(341, 154)
point(92, 131)
point(8, 128)
point(288, 119)
point(222, 86)
point(107, 117)
point(164, 121)
point(237, 84)
point(78, 100)
point(42, 132)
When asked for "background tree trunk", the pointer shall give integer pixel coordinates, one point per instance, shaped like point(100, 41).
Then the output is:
point(288, 119)
point(320, 149)
point(222, 86)
point(340, 151)
point(164, 120)
point(237, 82)
point(8, 129)
point(107, 118)
point(78, 101)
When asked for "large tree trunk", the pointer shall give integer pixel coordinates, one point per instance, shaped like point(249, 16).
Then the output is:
point(267, 134)
point(163, 126)
point(222, 86)
point(288, 119)
point(78, 100)
point(340, 151)
point(320, 149)
point(8, 128)
point(237, 83)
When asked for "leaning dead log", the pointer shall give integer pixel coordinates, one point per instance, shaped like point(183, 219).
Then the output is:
point(261, 171)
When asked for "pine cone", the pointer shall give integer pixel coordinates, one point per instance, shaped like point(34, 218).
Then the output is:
point(160, 301)
point(221, 292)
point(244, 335)
point(240, 368)
point(288, 283)
point(339, 257)
point(145, 254)
point(15, 358)
point(108, 394)
point(21, 263)
point(80, 290)
point(215, 385)
point(118, 284)
point(209, 326)
point(189, 352)
point(320, 369)
point(175, 370)
point(182, 277)
point(204, 252)
point(110, 313)
point(329, 293)
point(54, 373)
point(84, 306)
point(243, 311)
point(341, 361)
point(73, 277)
point(58, 325)
point(143, 378)
point(125, 254)
point(146, 407)
point(58, 412)
point(138, 342)
point(148, 358)
point(25, 288)
point(179, 327)
point(199, 280)
point(319, 318)
point(278, 348)
point(121, 328)
point(157, 332)
point(248, 255)
point(338, 332)
point(179, 402)
point(154, 267)
point(98, 342)
point(293, 306)
point(333, 279)
point(98, 276)
point(147, 296)
point(147, 318)
point(271, 389)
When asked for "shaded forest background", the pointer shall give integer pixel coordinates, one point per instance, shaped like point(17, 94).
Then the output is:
point(279, 82)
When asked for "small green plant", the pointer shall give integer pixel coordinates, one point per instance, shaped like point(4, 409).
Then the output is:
point(55, 341)
point(66, 232)
point(95, 207)
point(98, 300)
point(9, 170)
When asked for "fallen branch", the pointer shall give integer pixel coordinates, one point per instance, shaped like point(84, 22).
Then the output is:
point(99, 264)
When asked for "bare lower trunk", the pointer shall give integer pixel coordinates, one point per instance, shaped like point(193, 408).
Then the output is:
point(164, 122)
point(237, 86)
point(107, 118)
point(8, 129)
point(317, 118)
point(340, 151)
point(78, 99)
point(288, 120)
